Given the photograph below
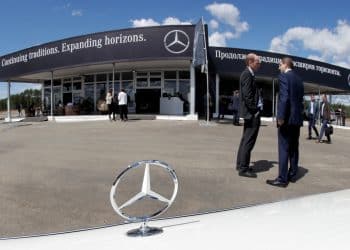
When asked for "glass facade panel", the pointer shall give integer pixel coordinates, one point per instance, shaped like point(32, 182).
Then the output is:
point(47, 100)
point(127, 76)
point(101, 78)
point(184, 75)
point(116, 87)
point(141, 82)
point(67, 87)
point(100, 91)
point(184, 88)
point(57, 83)
point(155, 82)
point(170, 74)
point(129, 89)
point(170, 87)
point(77, 79)
point(89, 92)
point(94, 88)
point(89, 78)
point(57, 97)
point(77, 86)
point(77, 99)
point(144, 74)
point(116, 76)
point(155, 74)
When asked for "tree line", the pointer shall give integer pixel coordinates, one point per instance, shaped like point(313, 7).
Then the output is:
point(24, 99)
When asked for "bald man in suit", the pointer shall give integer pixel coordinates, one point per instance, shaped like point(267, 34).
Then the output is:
point(250, 108)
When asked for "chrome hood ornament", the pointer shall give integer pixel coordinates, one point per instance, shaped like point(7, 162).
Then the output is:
point(145, 193)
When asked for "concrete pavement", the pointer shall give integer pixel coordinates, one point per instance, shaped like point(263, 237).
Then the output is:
point(57, 177)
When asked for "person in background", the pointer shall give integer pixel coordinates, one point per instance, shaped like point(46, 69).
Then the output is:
point(312, 112)
point(109, 100)
point(235, 107)
point(338, 116)
point(289, 120)
point(343, 117)
point(19, 109)
point(123, 105)
point(250, 111)
point(222, 107)
point(325, 120)
point(114, 105)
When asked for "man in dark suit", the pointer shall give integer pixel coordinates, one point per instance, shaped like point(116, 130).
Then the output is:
point(326, 119)
point(289, 121)
point(250, 108)
point(235, 107)
point(312, 113)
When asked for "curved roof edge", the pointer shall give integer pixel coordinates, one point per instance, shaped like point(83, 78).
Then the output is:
point(166, 42)
point(232, 61)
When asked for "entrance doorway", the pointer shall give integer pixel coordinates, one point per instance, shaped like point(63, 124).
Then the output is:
point(147, 101)
point(67, 98)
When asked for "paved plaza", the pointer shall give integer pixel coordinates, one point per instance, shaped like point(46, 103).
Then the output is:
point(57, 176)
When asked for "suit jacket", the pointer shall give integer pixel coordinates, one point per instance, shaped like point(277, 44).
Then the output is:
point(235, 102)
point(315, 109)
point(326, 114)
point(248, 95)
point(290, 101)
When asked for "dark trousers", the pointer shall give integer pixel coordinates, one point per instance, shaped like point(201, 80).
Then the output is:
point(288, 150)
point(221, 112)
point(249, 136)
point(312, 123)
point(111, 110)
point(123, 112)
point(235, 117)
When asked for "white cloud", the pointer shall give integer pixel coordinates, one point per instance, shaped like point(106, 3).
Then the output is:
point(214, 24)
point(77, 12)
point(174, 21)
point(330, 45)
point(143, 22)
point(219, 39)
point(228, 14)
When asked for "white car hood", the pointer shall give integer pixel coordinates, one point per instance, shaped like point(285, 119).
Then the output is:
point(313, 222)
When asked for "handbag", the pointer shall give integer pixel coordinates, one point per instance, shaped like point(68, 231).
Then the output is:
point(329, 130)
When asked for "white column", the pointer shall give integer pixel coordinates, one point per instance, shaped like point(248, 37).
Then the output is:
point(113, 79)
point(217, 85)
point(51, 111)
point(319, 105)
point(42, 98)
point(192, 91)
point(273, 100)
point(9, 101)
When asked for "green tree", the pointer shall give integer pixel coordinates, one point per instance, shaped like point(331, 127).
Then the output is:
point(25, 98)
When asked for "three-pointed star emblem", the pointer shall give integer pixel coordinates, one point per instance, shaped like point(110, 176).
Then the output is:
point(176, 41)
point(146, 191)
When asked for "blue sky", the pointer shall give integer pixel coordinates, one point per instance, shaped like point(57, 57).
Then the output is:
point(313, 29)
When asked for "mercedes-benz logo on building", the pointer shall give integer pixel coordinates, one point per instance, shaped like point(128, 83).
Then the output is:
point(146, 193)
point(176, 41)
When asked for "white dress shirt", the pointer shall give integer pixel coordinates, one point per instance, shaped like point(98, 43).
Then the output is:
point(122, 98)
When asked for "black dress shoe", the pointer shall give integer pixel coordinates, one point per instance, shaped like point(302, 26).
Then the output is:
point(292, 177)
point(247, 173)
point(277, 183)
